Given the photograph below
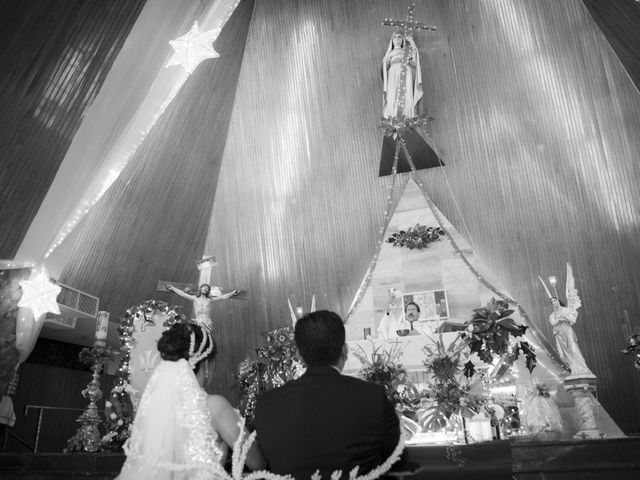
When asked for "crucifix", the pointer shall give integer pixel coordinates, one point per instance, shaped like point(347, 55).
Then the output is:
point(406, 26)
point(205, 267)
point(202, 295)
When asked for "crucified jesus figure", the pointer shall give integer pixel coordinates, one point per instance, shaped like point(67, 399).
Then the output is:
point(203, 300)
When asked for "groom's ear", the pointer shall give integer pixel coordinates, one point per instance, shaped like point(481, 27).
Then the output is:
point(345, 351)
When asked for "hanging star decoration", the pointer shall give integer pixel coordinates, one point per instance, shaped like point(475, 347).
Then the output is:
point(193, 47)
point(39, 294)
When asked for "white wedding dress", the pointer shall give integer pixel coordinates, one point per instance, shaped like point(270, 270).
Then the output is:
point(172, 437)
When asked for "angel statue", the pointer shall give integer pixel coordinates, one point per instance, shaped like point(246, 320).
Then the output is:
point(562, 319)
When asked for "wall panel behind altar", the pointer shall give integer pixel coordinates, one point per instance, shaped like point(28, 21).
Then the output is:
point(299, 202)
point(534, 117)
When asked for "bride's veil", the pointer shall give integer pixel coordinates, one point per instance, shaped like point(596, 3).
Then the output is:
point(172, 437)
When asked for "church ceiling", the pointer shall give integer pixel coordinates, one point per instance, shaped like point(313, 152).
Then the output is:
point(619, 21)
point(54, 57)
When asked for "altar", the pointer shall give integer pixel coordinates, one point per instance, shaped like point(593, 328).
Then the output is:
point(490, 460)
point(410, 350)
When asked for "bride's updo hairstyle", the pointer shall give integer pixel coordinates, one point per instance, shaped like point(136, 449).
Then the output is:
point(189, 341)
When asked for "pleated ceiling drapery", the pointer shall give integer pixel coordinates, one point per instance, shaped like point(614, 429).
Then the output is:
point(135, 93)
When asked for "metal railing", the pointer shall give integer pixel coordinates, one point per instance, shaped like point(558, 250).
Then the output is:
point(8, 433)
point(41, 409)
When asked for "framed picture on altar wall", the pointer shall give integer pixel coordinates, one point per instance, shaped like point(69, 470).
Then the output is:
point(434, 309)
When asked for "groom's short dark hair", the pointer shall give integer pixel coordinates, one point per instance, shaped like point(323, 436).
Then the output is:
point(320, 337)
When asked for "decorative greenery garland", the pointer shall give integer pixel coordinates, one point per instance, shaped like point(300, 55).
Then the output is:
point(91, 355)
point(402, 126)
point(277, 362)
point(10, 293)
point(119, 410)
point(417, 237)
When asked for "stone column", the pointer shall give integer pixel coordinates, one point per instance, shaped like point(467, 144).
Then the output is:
point(582, 390)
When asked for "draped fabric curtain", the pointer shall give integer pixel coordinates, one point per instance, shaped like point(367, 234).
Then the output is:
point(135, 93)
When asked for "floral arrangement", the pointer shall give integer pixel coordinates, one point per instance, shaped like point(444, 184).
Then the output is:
point(121, 413)
point(633, 347)
point(10, 294)
point(253, 380)
point(445, 363)
point(382, 368)
point(93, 355)
point(542, 390)
point(489, 333)
point(281, 355)
point(540, 413)
point(275, 364)
point(416, 238)
point(9, 355)
point(449, 394)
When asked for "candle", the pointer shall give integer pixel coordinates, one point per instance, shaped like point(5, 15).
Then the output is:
point(479, 429)
point(102, 326)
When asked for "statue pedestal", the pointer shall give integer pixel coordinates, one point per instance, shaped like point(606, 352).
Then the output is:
point(582, 390)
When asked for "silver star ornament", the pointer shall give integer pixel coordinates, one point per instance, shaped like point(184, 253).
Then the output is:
point(193, 47)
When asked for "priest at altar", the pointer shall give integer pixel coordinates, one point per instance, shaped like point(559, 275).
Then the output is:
point(394, 326)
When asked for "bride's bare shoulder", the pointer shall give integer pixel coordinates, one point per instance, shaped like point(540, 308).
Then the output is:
point(218, 404)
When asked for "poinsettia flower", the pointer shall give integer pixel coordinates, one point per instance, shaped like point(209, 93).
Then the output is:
point(469, 369)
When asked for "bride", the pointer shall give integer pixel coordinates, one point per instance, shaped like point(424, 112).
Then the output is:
point(179, 431)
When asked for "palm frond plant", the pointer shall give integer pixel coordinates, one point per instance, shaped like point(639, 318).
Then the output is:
point(383, 367)
point(449, 395)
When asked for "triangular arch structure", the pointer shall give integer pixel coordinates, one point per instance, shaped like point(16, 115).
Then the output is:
point(441, 266)
point(446, 269)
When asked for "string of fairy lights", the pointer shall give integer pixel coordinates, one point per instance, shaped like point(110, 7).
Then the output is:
point(101, 184)
point(150, 312)
point(385, 224)
point(467, 262)
point(396, 127)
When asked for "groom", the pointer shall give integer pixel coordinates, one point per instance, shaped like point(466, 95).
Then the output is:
point(325, 420)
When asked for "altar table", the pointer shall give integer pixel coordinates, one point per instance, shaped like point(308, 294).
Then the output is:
point(478, 461)
point(604, 459)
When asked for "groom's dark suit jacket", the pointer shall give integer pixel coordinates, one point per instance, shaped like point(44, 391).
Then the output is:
point(327, 421)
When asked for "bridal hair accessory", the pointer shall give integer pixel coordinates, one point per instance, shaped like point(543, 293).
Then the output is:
point(192, 343)
point(205, 348)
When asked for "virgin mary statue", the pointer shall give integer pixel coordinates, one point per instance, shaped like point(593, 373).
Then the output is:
point(391, 74)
